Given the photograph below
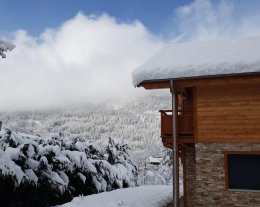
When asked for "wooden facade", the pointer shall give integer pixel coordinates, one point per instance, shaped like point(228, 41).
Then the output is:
point(228, 113)
point(223, 109)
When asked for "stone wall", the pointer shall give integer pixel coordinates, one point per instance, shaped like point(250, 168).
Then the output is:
point(210, 178)
point(190, 175)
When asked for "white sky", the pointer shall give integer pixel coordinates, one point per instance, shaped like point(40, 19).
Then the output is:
point(90, 59)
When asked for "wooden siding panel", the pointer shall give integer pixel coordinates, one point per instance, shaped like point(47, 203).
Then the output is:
point(228, 113)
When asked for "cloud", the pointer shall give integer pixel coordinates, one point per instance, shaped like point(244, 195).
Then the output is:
point(90, 58)
point(87, 59)
point(205, 19)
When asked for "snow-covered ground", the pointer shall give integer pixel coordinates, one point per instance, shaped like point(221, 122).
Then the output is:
point(143, 196)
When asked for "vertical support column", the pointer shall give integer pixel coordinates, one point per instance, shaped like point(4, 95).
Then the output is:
point(175, 146)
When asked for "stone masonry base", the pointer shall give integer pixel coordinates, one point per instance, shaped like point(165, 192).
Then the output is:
point(205, 177)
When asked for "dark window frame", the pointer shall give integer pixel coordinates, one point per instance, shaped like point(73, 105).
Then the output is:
point(226, 153)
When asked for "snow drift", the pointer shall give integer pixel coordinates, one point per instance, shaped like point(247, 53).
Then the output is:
point(143, 196)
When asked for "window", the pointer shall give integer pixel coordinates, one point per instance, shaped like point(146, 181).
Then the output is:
point(242, 170)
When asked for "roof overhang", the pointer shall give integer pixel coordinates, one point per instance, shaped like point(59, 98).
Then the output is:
point(197, 80)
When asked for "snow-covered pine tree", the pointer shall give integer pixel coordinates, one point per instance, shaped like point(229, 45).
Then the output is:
point(166, 165)
point(5, 46)
point(118, 155)
point(50, 170)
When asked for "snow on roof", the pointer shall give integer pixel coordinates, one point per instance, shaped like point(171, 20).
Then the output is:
point(195, 59)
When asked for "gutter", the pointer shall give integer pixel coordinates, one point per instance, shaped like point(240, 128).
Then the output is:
point(198, 77)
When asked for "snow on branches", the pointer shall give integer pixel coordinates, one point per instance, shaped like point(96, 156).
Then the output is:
point(5, 46)
point(56, 168)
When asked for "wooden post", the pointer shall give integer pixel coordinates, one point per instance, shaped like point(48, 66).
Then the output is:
point(0, 125)
point(175, 145)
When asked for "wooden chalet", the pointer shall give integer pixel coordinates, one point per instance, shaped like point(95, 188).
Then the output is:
point(217, 94)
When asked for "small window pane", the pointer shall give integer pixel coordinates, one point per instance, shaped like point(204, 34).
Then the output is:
point(244, 171)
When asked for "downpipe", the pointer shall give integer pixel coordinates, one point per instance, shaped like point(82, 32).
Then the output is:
point(175, 145)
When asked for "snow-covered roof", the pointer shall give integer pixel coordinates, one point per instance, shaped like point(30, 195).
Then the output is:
point(196, 59)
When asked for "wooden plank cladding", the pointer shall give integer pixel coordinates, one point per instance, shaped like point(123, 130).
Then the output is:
point(229, 113)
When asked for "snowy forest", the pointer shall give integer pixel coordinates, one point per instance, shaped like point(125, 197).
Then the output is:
point(82, 150)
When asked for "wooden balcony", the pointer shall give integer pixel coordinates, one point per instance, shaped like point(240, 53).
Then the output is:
point(185, 127)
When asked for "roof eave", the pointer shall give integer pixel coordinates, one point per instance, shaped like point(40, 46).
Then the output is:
point(165, 83)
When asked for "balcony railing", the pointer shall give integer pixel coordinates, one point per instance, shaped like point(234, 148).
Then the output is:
point(185, 126)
